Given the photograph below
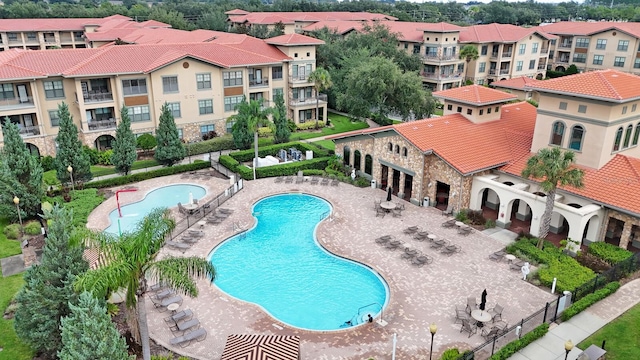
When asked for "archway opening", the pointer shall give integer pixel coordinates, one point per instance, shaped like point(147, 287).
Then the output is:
point(33, 150)
point(104, 142)
point(559, 229)
point(539, 77)
point(634, 239)
point(490, 204)
point(614, 231)
point(519, 217)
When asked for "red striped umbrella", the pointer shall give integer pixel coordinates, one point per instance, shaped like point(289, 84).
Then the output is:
point(261, 347)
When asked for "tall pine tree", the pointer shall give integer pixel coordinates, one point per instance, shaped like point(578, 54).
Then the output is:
point(169, 149)
point(48, 289)
point(20, 175)
point(70, 150)
point(88, 333)
point(124, 147)
point(280, 122)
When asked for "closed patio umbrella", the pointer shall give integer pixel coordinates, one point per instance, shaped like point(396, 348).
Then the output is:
point(389, 193)
point(483, 300)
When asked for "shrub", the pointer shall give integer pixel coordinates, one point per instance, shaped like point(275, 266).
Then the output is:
point(32, 228)
point(247, 155)
point(589, 300)
point(146, 142)
point(516, 345)
point(462, 216)
point(12, 231)
point(381, 120)
point(610, 253)
point(313, 172)
point(475, 217)
point(490, 224)
point(47, 163)
point(209, 135)
point(292, 125)
point(127, 179)
point(104, 158)
point(92, 153)
point(202, 147)
point(310, 125)
point(264, 132)
point(229, 162)
point(83, 202)
point(450, 354)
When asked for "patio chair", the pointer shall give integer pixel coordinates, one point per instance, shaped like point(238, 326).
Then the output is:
point(376, 204)
point(380, 212)
point(465, 230)
point(213, 220)
point(163, 294)
point(468, 326)
point(496, 312)
point(288, 180)
point(449, 223)
point(196, 233)
point(162, 304)
point(314, 180)
point(396, 212)
point(400, 206)
point(299, 178)
point(461, 315)
point(394, 244)
point(497, 256)
point(471, 304)
point(409, 253)
point(489, 334)
point(439, 244)
point(410, 230)
point(335, 182)
point(225, 211)
point(187, 339)
point(383, 239)
point(189, 239)
point(517, 265)
point(184, 326)
point(178, 246)
point(157, 287)
point(278, 179)
point(184, 315)
point(324, 182)
point(421, 260)
point(448, 211)
point(421, 235)
point(502, 326)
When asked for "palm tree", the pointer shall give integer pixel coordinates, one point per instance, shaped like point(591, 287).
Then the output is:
point(553, 167)
point(322, 81)
point(254, 116)
point(130, 260)
point(468, 53)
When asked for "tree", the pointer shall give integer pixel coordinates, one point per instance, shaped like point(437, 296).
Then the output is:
point(48, 288)
point(553, 167)
point(130, 261)
point(280, 121)
point(70, 149)
point(124, 147)
point(88, 333)
point(468, 53)
point(20, 175)
point(169, 149)
point(321, 80)
point(146, 142)
point(249, 118)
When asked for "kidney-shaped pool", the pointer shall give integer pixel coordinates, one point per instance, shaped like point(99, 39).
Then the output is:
point(280, 266)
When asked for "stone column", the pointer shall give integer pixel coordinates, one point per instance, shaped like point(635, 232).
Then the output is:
point(503, 220)
point(524, 212)
point(626, 234)
point(401, 185)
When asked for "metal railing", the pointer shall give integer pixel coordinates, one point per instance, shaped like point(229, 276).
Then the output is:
point(507, 54)
point(307, 101)
point(98, 97)
point(544, 51)
point(259, 82)
point(565, 45)
point(33, 130)
point(300, 78)
point(17, 102)
point(615, 273)
point(437, 76)
point(99, 124)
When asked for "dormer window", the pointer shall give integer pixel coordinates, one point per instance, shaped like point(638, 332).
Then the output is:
point(557, 133)
point(577, 134)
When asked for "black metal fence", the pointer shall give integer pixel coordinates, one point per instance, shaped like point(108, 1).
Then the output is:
point(615, 273)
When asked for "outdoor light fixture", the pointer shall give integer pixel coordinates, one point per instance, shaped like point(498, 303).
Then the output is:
point(432, 329)
point(16, 200)
point(70, 170)
point(568, 345)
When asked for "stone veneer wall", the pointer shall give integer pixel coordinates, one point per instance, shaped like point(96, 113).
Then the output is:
point(45, 144)
point(89, 138)
point(191, 131)
point(629, 221)
point(438, 170)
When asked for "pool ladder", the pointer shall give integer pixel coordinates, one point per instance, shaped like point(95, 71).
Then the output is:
point(327, 214)
point(237, 229)
point(357, 319)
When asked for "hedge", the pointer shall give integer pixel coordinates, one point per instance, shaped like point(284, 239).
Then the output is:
point(516, 345)
point(247, 155)
point(310, 125)
point(580, 305)
point(610, 253)
point(450, 354)
point(128, 179)
point(216, 144)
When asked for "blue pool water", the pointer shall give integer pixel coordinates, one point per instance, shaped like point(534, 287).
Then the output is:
point(166, 196)
point(279, 266)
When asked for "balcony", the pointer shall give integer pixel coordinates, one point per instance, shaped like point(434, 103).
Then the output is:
point(494, 55)
point(438, 76)
point(565, 45)
point(27, 131)
point(299, 79)
point(542, 67)
point(97, 96)
point(308, 101)
point(492, 71)
point(17, 103)
point(507, 54)
point(50, 40)
point(99, 125)
point(564, 60)
point(544, 51)
point(436, 57)
point(504, 71)
point(261, 82)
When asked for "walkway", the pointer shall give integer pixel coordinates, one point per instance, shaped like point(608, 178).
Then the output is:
point(581, 326)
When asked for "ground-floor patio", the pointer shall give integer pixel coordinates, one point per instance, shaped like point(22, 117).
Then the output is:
point(418, 296)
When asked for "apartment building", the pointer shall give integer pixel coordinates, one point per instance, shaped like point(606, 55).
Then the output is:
point(595, 46)
point(201, 82)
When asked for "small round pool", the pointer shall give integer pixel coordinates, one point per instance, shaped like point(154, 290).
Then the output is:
point(166, 196)
point(280, 266)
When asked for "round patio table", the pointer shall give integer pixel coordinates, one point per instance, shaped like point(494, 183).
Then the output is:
point(388, 205)
point(481, 316)
point(510, 258)
point(432, 237)
point(459, 224)
point(173, 307)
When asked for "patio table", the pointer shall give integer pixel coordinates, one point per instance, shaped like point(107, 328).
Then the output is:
point(481, 316)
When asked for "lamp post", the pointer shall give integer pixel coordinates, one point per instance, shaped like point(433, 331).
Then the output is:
point(568, 345)
point(432, 329)
point(70, 170)
point(16, 200)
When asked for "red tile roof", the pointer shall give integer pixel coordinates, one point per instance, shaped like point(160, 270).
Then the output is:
point(236, 12)
point(293, 40)
point(504, 33)
point(590, 28)
point(152, 35)
point(270, 18)
point(475, 95)
point(607, 85)
point(56, 24)
point(517, 83)
point(340, 27)
point(407, 31)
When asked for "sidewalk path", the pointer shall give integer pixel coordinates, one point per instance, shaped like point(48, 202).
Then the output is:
point(581, 326)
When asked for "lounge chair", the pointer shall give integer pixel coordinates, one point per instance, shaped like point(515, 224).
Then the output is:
point(410, 230)
point(335, 182)
point(183, 315)
point(213, 220)
point(278, 180)
point(157, 287)
point(162, 304)
point(451, 249)
point(438, 244)
point(409, 253)
point(163, 294)
point(178, 246)
point(517, 265)
point(449, 223)
point(314, 180)
point(502, 326)
point(225, 211)
point(468, 326)
point(185, 326)
point(189, 239)
point(383, 239)
point(299, 178)
point(185, 340)
point(324, 182)
point(288, 180)
point(394, 244)
point(196, 233)
point(465, 230)
point(448, 211)
point(461, 315)
point(421, 235)
point(496, 312)
point(497, 256)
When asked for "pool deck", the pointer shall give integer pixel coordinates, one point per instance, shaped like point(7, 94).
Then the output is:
point(419, 296)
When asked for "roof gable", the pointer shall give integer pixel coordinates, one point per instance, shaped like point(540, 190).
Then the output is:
point(607, 85)
point(517, 83)
point(476, 95)
point(498, 33)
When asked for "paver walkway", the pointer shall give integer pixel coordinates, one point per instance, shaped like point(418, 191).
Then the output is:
point(581, 326)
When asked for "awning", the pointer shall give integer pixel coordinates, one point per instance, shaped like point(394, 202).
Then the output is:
point(261, 347)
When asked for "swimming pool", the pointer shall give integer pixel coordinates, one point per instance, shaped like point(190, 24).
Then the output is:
point(279, 266)
point(166, 196)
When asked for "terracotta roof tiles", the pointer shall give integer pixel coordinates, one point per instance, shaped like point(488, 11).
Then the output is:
point(505, 33)
point(608, 85)
point(56, 24)
point(590, 28)
point(475, 95)
point(268, 18)
point(293, 39)
point(517, 83)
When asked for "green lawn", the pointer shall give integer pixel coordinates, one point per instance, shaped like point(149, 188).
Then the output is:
point(13, 348)
point(622, 336)
point(7, 247)
point(438, 112)
point(327, 144)
point(100, 170)
point(340, 124)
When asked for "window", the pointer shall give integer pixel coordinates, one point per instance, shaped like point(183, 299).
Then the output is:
point(636, 63)
point(482, 67)
point(488, 111)
point(174, 107)
point(53, 116)
point(390, 146)
point(497, 109)
point(31, 36)
point(624, 110)
point(53, 89)
point(406, 45)
point(483, 50)
point(601, 44)
point(230, 102)
point(575, 141)
point(534, 48)
point(469, 112)
point(404, 151)
point(416, 49)
point(346, 154)
point(275, 94)
point(203, 81)
point(449, 107)
point(232, 78)
point(563, 105)
point(623, 45)
point(459, 109)
point(6, 91)
point(557, 133)
point(480, 82)
point(518, 65)
point(368, 164)
point(276, 73)
point(627, 136)
point(522, 49)
point(12, 36)
point(532, 64)
point(170, 84)
point(582, 42)
point(580, 58)
point(597, 59)
point(619, 61)
point(481, 111)
point(582, 109)
point(616, 142)
point(229, 126)
point(634, 107)
point(205, 129)
point(139, 113)
point(357, 160)
point(134, 87)
point(636, 135)
point(180, 134)
point(205, 106)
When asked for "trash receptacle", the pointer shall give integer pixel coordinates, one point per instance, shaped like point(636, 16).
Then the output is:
point(374, 184)
point(425, 202)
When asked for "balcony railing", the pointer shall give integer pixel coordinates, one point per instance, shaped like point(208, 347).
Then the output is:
point(439, 57)
point(438, 76)
point(97, 97)
point(105, 124)
point(33, 130)
point(301, 78)
point(492, 71)
point(504, 71)
point(563, 60)
point(50, 40)
point(494, 55)
point(542, 67)
point(16, 103)
point(259, 82)
point(544, 51)
point(308, 101)
point(507, 54)
point(566, 45)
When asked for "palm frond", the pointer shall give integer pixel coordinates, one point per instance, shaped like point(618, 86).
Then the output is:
point(105, 280)
point(180, 273)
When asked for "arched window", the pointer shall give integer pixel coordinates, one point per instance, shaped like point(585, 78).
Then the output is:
point(404, 151)
point(356, 160)
point(368, 164)
point(616, 142)
point(627, 136)
point(390, 146)
point(577, 134)
point(397, 149)
point(557, 133)
point(346, 155)
point(636, 135)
